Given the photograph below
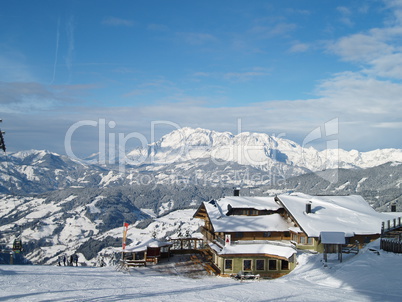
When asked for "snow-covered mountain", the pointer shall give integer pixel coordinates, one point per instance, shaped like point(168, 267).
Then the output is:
point(380, 185)
point(88, 220)
point(38, 171)
point(196, 156)
point(258, 150)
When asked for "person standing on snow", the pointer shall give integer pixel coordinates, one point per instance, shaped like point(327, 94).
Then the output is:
point(76, 259)
point(64, 259)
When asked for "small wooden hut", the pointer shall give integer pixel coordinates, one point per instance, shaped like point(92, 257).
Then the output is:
point(148, 251)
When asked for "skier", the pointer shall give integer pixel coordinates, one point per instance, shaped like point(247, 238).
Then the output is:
point(76, 259)
point(71, 260)
point(59, 261)
point(64, 259)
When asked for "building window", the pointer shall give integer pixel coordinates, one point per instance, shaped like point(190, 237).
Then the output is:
point(247, 265)
point(228, 264)
point(239, 235)
point(260, 265)
point(272, 265)
point(286, 234)
point(267, 234)
point(294, 237)
point(310, 241)
point(302, 240)
point(284, 265)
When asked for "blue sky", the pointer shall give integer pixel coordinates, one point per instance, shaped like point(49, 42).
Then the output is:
point(279, 67)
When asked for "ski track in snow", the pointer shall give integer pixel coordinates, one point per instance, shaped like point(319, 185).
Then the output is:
point(365, 277)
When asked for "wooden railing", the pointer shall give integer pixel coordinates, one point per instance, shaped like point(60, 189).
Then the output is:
point(188, 243)
point(390, 225)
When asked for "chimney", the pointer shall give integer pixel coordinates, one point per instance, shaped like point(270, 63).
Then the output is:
point(308, 207)
point(393, 206)
point(236, 192)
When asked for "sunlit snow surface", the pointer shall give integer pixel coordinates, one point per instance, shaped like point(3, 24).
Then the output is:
point(365, 277)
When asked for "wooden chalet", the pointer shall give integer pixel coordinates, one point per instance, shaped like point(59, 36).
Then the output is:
point(259, 235)
point(248, 235)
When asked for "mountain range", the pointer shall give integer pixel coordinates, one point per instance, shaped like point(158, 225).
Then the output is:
point(52, 200)
point(258, 150)
point(196, 156)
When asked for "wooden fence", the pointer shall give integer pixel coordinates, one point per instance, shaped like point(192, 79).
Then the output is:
point(391, 245)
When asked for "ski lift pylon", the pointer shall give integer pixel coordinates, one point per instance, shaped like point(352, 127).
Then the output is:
point(2, 143)
point(17, 245)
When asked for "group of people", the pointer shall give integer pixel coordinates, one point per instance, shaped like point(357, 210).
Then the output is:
point(68, 260)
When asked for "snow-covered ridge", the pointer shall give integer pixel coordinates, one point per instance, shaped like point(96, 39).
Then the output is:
point(254, 149)
point(191, 155)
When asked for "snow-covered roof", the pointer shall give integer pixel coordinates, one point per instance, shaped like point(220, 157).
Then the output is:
point(142, 246)
point(246, 202)
point(257, 249)
point(263, 223)
point(392, 215)
point(349, 214)
point(238, 223)
point(295, 230)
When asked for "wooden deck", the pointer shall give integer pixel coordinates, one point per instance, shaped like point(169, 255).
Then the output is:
point(134, 263)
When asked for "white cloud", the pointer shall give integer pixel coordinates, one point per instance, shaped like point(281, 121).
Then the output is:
point(197, 38)
point(299, 47)
point(378, 49)
point(113, 21)
point(389, 66)
point(235, 76)
point(391, 125)
point(345, 15)
point(243, 76)
point(279, 29)
point(12, 68)
point(202, 74)
point(33, 97)
point(367, 110)
point(158, 27)
point(360, 48)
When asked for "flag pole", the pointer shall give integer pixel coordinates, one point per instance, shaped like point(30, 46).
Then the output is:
point(125, 229)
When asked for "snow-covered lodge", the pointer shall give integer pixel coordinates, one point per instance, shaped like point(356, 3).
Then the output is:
point(260, 235)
